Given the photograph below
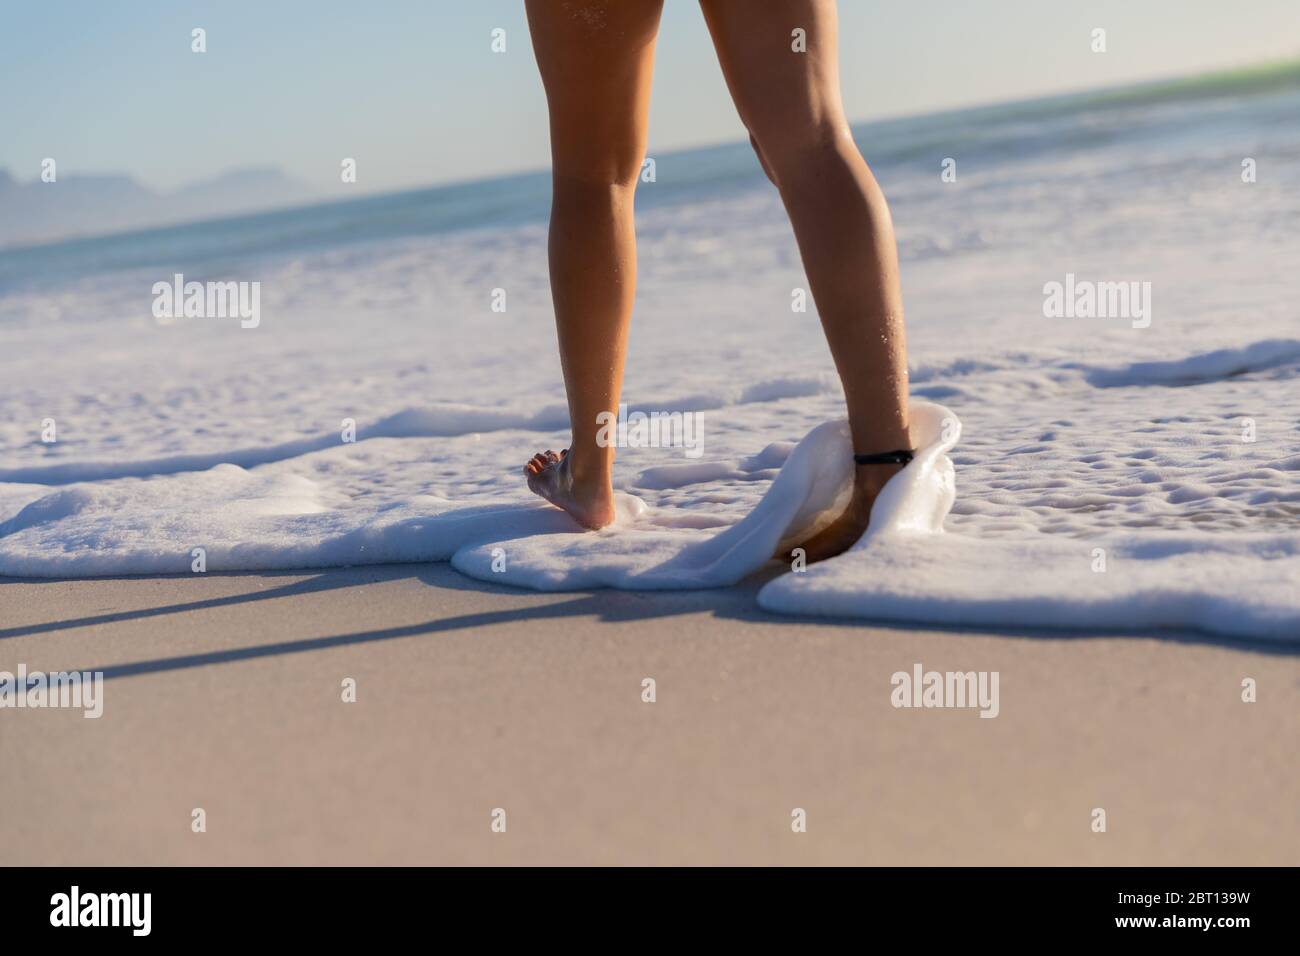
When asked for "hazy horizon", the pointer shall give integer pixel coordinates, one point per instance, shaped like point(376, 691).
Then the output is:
point(271, 188)
point(415, 94)
point(250, 168)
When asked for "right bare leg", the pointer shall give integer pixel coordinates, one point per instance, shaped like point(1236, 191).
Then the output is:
point(790, 101)
point(596, 58)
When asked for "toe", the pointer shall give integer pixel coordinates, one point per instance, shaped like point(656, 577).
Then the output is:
point(540, 462)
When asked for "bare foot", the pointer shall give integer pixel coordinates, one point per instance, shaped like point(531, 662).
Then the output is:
point(549, 475)
point(845, 531)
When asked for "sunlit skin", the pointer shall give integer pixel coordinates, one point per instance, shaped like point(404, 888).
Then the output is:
point(596, 59)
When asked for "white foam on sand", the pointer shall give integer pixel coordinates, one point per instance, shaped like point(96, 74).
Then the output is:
point(1172, 449)
point(1241, 586)
point(809, 491)
point(906, 568)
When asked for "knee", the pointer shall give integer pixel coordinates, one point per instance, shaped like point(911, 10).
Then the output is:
point(585, 189)
point(615, 168)
point(762, 160)
point(788, 156)
point(586, 193)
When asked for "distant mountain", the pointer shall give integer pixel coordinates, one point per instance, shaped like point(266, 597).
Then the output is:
point(78, 205)
point(242, 190)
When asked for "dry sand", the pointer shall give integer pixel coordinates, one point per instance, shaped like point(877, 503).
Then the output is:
point(224, 692)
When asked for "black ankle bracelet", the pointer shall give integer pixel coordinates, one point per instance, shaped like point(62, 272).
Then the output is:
point(900, 457)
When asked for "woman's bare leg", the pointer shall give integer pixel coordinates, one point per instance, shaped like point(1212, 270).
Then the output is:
point(790, 101)
point(596, 58)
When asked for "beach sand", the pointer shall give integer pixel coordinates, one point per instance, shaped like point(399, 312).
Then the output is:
point(224, 692)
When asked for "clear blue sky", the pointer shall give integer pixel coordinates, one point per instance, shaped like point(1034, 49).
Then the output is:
point(411, 89)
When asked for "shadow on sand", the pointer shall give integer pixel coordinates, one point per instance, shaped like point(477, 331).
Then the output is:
point(610, 606)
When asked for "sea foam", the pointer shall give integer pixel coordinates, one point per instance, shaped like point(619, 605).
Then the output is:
point(1107, 477)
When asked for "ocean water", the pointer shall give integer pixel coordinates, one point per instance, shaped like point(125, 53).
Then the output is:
point(1110, 472)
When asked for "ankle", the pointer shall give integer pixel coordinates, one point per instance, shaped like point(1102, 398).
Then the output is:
point(590, 471)
point(870, 479)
